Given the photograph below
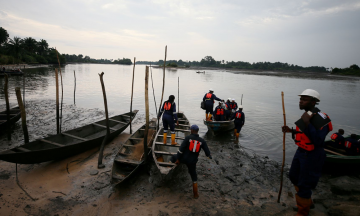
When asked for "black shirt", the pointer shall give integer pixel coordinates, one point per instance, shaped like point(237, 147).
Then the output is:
point(189, 151)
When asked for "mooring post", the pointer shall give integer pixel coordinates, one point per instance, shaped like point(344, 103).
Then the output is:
point(74, 85)
point(100, 164)
point(7, 107)
point(62, 90)
point(23, 114)
point(162, 95)
point(57, 101)
point(178, 95)
point(24, 88)
point(132, 91)
point(147, 113)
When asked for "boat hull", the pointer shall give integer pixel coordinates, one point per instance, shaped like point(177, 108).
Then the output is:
point(220, 126)
point(15, 116)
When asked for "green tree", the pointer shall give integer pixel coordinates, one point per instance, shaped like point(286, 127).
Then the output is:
point(43, 47)
point(15, 47)
point(354, 67)
point(4, 36)
point(30, 45)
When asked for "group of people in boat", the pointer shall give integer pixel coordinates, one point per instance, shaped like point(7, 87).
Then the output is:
point(351, 145)
point(12, 70)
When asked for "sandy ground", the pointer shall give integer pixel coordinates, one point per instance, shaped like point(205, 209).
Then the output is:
point(233, 183)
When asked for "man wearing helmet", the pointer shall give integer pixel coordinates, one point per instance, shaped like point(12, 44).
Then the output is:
point(239, 121)
point(209, 103)
point(310, 156)
point(219, 112)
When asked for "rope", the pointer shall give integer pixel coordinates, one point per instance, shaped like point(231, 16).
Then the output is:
point(18, 183)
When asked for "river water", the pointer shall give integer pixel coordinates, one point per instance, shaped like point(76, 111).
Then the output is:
point(261, 98)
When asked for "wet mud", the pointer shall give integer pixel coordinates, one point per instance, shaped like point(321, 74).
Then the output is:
point(234, 182)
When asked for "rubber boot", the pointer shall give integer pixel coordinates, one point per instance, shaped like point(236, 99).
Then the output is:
point(207, 117)
point(210, 116)
point(235, 131)
point(160, 159)
point(195, 190)
point(165, 138)
point(303, 205)
point(237, 136)
point(173, 139)
point(312, 206)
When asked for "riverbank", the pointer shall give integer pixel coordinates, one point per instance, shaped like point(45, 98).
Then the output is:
point(233, 183)
point(23, 66)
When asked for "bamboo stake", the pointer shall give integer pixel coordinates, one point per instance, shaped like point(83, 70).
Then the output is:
point(62, 90)
point(74, 85)
point(147, 113)
point(57, 101)
point(23, 114)
point(7, 107)
point(100, 164)
point(162, 95)
point(283, 162)
point(241, 98)
point(132, 92)
point(24, 88)
point(178, 95)
point(152, 83)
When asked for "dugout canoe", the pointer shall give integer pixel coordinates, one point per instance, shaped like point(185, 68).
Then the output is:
point(162, 153)
point(339, 156)
point(219, 126)
point(131, 154)
point(68, 143)
point(15, 115)
point(12, 73)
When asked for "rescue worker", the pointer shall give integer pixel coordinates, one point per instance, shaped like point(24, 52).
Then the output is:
point(338, 139)
point(188, 154)
point(309, 158)
point(239, 121)
point(233, 105)
point(209, 103)
point(169, 118)
point(352, 145)
point(227, 109)
point(219, 112)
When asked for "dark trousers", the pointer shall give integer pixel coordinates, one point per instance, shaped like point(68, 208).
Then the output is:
point(168, 121)
point(209, 106)
point(192, 171)
point(238, 126)
point(306, 169)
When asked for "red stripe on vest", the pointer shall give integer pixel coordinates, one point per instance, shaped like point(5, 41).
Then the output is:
point(208, 95)
point(334, 136)
point(220, 111)
point(194, 146)
point(238, 115)
point(167, 106)
point(303, 141)
point(330, 124)
point(348, 144)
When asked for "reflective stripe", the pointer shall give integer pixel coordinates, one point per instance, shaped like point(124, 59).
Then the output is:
point(179, 151)
point(165, 131)
point(174, 112)
point(172, 132)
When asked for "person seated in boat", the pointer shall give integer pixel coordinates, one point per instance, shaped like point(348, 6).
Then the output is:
point(209, 99)
point(219, 112)
point(239, 121)
point(3, 69)
point(338, 139)
point(227, 109)
point(233, 105)
point(188, 154)
point(169, 118)
point(352, 146)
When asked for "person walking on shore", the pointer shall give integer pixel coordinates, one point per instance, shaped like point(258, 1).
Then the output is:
point(310, 156)
point(239, 122)
point(169, 118)
point(188, 154)
point(209, 103)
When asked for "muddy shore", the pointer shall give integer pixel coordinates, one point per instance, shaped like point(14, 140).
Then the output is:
point(234, 182)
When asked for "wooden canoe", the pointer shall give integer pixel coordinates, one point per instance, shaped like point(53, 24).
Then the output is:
point(339, 156)
point(12, 73)
point(162, 153)
point(219, 126)
point(14, 117)
point(131, 154)
point(68, 143)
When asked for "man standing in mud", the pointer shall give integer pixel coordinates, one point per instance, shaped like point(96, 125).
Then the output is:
point(310, 156)
point(188, 154)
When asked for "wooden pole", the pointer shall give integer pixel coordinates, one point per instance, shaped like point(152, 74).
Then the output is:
point(100, 164)
point(62, 91)
point(147, 113)
point(24, 88)
point(74, 85)
point(241, 98)
point(57, 101)
point(7, 107)
point(132, 93)
point(23, 114)
point(283, 162)
point(152, 84)
point(178, 95)
point(162, 95)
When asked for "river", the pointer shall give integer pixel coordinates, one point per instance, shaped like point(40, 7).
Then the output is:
point(261, 98)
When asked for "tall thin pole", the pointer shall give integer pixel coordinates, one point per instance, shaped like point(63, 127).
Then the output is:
point(23, 114)
point(283, 162)
point(62, 90)
point(241, 98)
point(57, 101)
point(162, 95)
point(24, 88)
point(7, 107)
point(178, 95)
point(100, 164)
point(152, 83)
point(147, 113)
point(74, 85)
point(132, 93)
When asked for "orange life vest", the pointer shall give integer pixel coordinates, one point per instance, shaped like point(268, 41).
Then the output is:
point(233, 106)
point(208, 95)
point(330, 124)
point(348, 144)
point(303, 141)
point(238, 115)
point(194, 145)
point(220, 111)
point(167, 106)
point(334, 136)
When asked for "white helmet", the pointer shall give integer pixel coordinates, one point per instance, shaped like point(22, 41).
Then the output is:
point(311, 93)
point(229, 99)
point(240, 107)
point(211, 90)
point(233, 99)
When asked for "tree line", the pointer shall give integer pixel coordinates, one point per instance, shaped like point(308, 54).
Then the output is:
point(353, 70)
point(28, 50)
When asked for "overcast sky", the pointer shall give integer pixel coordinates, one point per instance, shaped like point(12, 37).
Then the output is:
point(307, 33)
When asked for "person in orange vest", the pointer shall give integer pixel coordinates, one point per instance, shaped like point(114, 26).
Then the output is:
point(219, 112)
point(209, 104)
point(227, 109)
point(352, 146)
point(338, 139)
point(310, 156)
point(233, 105)
point(169, 118)
point(239, 122)
point(188, 154)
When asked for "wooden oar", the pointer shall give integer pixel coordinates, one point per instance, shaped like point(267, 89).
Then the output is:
point(327, 150)
point(283, 162)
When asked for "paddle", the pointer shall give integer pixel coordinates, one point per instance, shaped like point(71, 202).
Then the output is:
point(283, 162)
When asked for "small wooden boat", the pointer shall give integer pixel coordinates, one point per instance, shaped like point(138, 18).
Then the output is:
point(339, 156)
point(162, 153)
point(131, 154)
point(200, 71)
point(14, 117)
point(219, 126)
point(12, 73)
point(68, 143)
